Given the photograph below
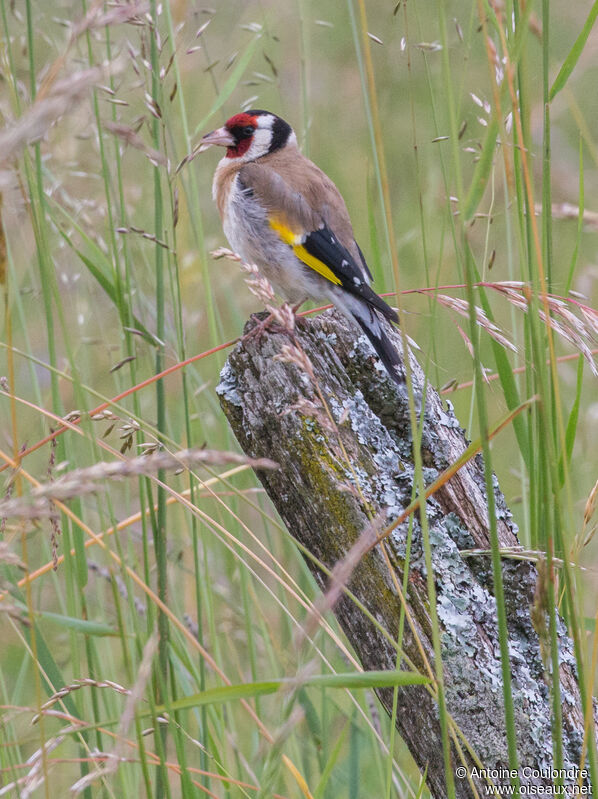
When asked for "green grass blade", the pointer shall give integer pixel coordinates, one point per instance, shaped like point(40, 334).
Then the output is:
point(83, 626)
point(482, 172)
point(571, 431)
point(249, 690)
point(367, 679)
point(52, 678)
point(575, 52)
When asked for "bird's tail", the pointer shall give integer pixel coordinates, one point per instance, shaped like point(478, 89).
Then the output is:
point(369, 322)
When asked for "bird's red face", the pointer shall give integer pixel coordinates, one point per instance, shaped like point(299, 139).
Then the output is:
point(237, 135)
point(242, 127)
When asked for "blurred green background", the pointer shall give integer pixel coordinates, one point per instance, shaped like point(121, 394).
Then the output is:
point(299, 60)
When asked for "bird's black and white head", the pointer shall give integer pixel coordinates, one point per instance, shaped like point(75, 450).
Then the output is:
point(251, 135)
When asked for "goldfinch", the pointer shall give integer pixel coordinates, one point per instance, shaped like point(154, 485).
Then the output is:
point(282, 213)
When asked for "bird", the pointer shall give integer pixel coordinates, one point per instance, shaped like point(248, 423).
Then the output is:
point(282, 213)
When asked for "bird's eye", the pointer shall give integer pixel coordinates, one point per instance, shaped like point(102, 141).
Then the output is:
point(248, 130)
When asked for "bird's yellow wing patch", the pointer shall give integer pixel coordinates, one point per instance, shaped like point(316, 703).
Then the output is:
point(285, 232)
point(295, 240)
point(315, 264)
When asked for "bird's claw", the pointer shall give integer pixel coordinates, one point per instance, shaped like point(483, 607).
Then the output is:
point(281, 320)
point(260, 327)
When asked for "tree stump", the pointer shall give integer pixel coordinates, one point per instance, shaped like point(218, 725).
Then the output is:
point(275, 412)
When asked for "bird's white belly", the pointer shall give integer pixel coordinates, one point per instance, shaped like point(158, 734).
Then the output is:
point(249, 234)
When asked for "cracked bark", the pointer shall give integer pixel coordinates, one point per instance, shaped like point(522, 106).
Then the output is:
point(275, 412)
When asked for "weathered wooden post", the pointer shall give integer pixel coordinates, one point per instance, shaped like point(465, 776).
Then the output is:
point(335, 475)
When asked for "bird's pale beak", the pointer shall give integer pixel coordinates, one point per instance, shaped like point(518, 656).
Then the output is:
point(221, 136)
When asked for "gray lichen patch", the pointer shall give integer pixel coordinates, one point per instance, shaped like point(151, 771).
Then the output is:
point(228, 387)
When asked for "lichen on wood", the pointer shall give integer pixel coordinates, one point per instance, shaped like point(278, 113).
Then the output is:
point(336, 476)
